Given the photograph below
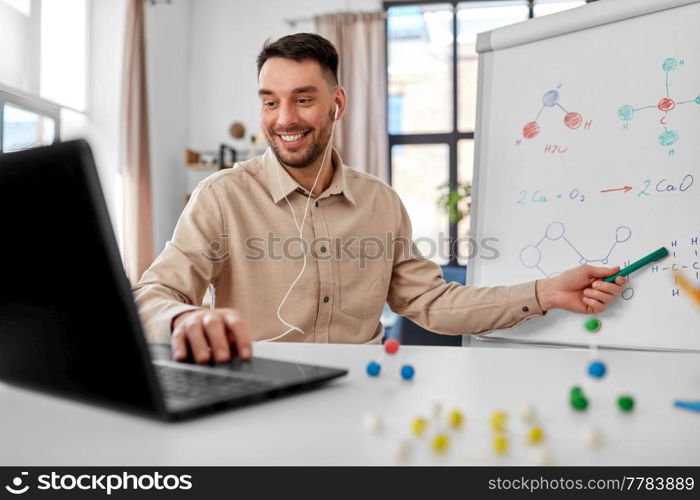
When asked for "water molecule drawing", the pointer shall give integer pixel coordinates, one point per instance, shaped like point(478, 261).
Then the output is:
point(550, 99)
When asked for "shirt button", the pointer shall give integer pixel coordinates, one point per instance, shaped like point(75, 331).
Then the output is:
point(323, 249)
point(326, 299)
point(525, 309)
point(316, 203)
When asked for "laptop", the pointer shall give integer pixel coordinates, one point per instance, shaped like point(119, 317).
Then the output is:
point(68, 322)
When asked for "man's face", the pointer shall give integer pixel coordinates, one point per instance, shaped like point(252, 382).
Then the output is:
point(297, 110)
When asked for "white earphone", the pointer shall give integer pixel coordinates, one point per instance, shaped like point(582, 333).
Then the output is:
point(300, 227)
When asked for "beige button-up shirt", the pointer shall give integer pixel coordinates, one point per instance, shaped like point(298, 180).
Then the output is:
point(238, 234)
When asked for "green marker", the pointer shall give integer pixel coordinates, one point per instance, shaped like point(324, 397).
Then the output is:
point(659, 254)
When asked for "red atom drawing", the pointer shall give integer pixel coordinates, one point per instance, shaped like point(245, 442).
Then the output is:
point(666, 104)
point(530, 130)
point(573, 120)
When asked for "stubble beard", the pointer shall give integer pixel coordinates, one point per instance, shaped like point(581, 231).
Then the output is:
point(309, 158)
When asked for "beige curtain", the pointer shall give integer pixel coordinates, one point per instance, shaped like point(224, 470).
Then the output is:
point(361, 136)
point(136, 171)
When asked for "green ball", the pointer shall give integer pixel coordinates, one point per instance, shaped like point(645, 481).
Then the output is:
point(579, 402)
point(576, 391)
point(626, 403)
point(592, 325)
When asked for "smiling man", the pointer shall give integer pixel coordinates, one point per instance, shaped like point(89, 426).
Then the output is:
point(299, 247)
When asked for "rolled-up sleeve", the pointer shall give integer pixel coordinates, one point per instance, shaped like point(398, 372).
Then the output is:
point(178, 278)
point(419, 292)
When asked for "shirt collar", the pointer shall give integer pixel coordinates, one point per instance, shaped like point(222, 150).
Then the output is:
point(286, 184)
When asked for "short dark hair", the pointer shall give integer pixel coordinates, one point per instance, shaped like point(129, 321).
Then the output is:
point(304, 46)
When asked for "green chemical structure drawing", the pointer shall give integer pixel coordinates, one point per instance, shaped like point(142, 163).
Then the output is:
point(666, 105)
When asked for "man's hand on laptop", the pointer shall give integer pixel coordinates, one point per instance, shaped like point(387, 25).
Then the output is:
point(218, 334)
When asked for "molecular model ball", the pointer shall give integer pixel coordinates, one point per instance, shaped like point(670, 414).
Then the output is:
point(391, 347)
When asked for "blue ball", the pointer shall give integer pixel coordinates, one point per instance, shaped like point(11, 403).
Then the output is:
point(407, 372)
point(373, 368)
point(596, 369)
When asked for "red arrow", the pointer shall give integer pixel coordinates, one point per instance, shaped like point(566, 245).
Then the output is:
point(625, 189)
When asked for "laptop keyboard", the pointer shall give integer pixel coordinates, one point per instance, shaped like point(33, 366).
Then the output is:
point(189, 386)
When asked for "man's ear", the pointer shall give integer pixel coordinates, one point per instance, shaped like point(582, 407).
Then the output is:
point(340, 101)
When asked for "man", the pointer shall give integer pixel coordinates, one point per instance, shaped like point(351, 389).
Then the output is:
point(240, 233)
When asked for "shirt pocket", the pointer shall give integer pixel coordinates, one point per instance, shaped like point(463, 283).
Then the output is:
point(363, 280)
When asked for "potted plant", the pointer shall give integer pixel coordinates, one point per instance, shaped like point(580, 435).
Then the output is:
point(455, 200)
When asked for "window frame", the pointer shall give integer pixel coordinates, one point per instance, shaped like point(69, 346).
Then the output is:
point(450, 138)
point(31, 104)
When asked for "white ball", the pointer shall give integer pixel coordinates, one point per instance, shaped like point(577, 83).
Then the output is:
point(544, 457)
point(593, 437)
point(436, 410)
point(403, 452)
point(372, 422)
point(527, 413)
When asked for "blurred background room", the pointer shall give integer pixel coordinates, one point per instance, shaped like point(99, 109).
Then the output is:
point(165, 91)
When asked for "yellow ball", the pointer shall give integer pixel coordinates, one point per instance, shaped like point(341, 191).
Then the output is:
point(535, 435)
point(440, 443)
point(418, 426)
point(498, 421)
point(500, 444)
point(455, 418)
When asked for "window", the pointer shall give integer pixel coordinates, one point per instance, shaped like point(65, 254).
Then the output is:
point(63, 70)
point(418, 187)
point(43, 49)
point(431, 103)
point(43, 67)
point(545, 7)
point(419, 66)
point(26, 122)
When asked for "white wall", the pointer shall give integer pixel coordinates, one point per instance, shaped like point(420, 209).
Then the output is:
point(100, 125)
point(168, 73)
point(19, 48)
point(226, 39)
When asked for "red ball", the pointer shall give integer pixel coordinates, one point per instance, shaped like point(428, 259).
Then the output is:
point(391, 346)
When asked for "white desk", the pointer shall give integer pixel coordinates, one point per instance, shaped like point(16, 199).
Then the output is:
point(324, 426)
